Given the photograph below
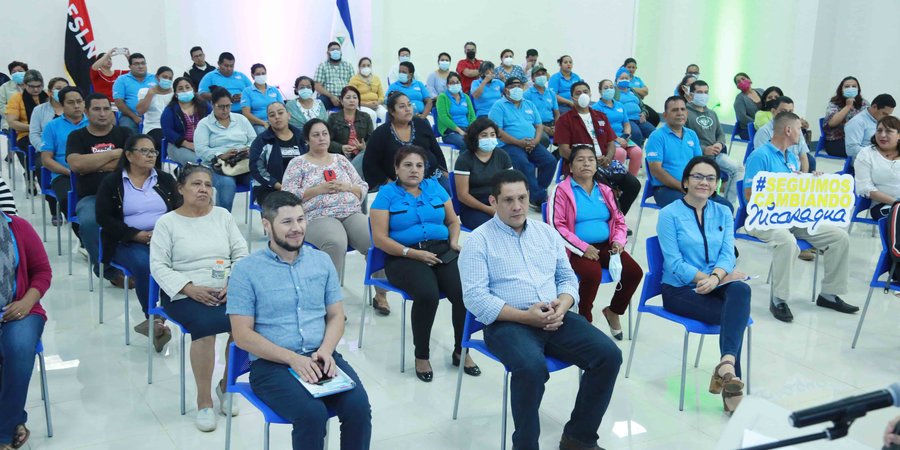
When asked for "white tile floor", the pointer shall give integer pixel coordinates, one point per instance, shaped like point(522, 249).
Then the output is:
point(101, 399)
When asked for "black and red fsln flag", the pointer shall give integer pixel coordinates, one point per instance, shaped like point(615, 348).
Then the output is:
point(81, 50)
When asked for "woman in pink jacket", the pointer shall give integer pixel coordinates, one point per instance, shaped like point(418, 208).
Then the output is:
point(585, 213)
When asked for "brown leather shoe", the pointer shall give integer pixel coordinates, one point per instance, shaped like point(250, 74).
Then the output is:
point(567, 443)
point(118, 281)
point(808, 255)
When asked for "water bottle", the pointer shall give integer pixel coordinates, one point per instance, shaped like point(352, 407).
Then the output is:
point(218, 270)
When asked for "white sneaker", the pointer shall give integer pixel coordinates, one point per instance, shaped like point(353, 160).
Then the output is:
point(206, 420)
point(79, 250)
point(223, 407)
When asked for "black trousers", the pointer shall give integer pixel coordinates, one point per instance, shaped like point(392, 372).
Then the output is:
point(424, 284)
point(61, 187)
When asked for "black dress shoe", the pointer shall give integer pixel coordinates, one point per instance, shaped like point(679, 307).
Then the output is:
point(837, 305)
point(781, 312)
point(425, 376)
point(474, 370)
point(567, 443)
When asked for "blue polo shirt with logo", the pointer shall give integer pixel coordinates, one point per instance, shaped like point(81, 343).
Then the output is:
point(517, 121)
point(235, 84)
point(126, 88)
point(546, 103)
point(416, 91)
point(258, 101)
point(56, 135)
point(769, 159)
point(672, 151)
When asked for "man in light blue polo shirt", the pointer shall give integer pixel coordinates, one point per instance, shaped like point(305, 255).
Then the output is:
point(286, 310)
point(125, 91)
point(225, 77)
point(775, 157)
point(859, 130)
point(55, 136)
point(668, 150)
point(520, 135)
point(545, 100)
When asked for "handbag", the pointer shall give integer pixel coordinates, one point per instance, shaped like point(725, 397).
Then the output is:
point(238, 164)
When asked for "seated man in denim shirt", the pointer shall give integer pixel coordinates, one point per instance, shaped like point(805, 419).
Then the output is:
point(517, 280)
point(285, 306)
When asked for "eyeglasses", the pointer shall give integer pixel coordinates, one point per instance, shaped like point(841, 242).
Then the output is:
point(147, 151)
point(34, 86)
point(223, 107)
point(698, 178)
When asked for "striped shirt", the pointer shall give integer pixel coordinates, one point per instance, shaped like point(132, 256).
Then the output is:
point(501, 267)
point(7, 202)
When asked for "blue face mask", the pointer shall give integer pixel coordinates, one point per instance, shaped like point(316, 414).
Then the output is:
point(305, 93)
point(165, 84)
point(851, 92)
point(608, 94)
point(454, 88)
point(540, 80)
point(487, 144)
point(403, 77)
point(444, 65)
point(516, 94)
point(185, 97)
point(404, 59)
point(624, 84)
point(700, 99)
point(335, 55)
point(18, 77)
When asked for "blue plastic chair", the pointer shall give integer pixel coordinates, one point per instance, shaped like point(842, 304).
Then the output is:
point(164, 153)
point(558, 173)
point(153, 310)
point(646, 195)
point(72, 197)
point(848, 168)
point(883, 267)
point(740, 217)
point(863, 204)
point(127, 274)
point(11, 164)
point(457, 205)
point(375, 262)
point(472, 327)
point(736, 137)
point(47, 191)
point(653, 288)
point(752, 130)
point(239, 364)
point(45, 391)
point(820, 144)
point(248, 189)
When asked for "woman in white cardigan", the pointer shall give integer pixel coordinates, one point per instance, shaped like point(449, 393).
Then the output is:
point(877, 167)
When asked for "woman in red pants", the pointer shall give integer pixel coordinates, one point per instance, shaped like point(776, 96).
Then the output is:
point(585, 213)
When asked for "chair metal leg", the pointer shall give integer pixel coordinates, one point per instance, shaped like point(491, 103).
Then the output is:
point(249, 233)
point(636, 229)
point(749, 342)
point(58, 231)
point(70, 249)
point(403, 337)
point(503, 419)
point(152, 321)
point(228, 426)
point(629, 319)
point(362, 319)
point(769, 277)
point(183, 356)
point(44, 217)
point(637, 325)
point(100, 282)
point(90, 279)
point(862, 317)
point(683, 371)
point(699, 351)
point(45, 393)
point(266, 437)
point(459, 377)
point(127, 321)
point(815, 276)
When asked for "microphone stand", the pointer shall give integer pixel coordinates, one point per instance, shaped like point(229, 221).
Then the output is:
point(838, 429)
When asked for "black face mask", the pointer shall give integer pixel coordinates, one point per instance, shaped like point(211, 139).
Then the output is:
point(470, 55)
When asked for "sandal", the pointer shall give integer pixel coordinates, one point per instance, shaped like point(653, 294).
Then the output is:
point(382, 310)
point(735, 397)
point(730, 382)
point(17, 441)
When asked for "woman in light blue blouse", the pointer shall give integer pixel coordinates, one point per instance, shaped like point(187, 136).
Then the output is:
point(437, 80)
point(486, 90)
point(640, 127)
point(697, 241)
point(637, 84)
point(561, 82)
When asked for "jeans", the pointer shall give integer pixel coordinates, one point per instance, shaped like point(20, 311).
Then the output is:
point(665, 195)
point(472, 218)
point(454, 138)
point(327, 102)
point(522, 349)
point(259, 129)
point(181, 155)
point(728, 307)
point(812, 162)
point(125, 121)
point(89, 232)
point(18, 342)
point(135, 257)
point(526, 163)
point(226, 187)
point(629, 189)
point(734, 171)
point(640, 131)
point(281, 392)
point(60, 187)
point(424, 285)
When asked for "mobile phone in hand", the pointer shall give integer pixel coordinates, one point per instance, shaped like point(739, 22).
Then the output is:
point(325, 377)
point(329, 175)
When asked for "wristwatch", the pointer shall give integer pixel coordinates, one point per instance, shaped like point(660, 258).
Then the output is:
point(716, 275)
point(405, 251)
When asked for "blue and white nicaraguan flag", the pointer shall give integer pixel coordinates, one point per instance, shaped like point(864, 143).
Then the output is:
point(342, 31)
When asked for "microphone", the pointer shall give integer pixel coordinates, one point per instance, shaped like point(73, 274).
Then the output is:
point(849, 408)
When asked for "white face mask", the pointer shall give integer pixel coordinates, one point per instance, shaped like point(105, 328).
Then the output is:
point(259, 79)
point(365, 71)
point(444, 65)
point(507, 61)
point(615, 267)
point(584, 100)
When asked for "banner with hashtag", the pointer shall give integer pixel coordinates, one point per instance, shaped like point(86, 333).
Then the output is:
point(787, 200)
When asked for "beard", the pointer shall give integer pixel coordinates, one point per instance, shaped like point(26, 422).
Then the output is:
point(279, 241)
